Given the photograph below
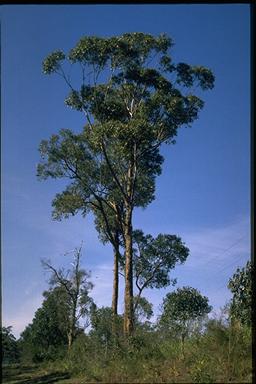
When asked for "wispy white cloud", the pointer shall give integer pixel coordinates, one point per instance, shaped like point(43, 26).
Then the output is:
point(219, 242)
point(214, 253)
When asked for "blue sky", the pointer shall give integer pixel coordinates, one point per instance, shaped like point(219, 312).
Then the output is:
point(203, 194)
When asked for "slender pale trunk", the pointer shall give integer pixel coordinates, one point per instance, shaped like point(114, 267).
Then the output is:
point(128, 296)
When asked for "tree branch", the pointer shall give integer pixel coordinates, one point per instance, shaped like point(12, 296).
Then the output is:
point(103, 147)
point(59, 278)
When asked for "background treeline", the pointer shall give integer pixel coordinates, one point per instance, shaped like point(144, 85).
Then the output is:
point(183, 344)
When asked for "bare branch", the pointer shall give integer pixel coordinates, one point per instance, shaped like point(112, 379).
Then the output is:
point(60, 279)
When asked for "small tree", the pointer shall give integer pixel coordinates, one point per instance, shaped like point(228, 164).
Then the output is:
point(182, 308)
point(76, 285)
point(241, 287)
point(10, 349)
point(47, 335)
point(154, 258)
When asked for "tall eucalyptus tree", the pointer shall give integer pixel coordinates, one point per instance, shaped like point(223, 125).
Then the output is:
point(134, 99)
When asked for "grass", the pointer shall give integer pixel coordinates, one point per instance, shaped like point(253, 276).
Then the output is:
point(32, 374)
point(36, 374)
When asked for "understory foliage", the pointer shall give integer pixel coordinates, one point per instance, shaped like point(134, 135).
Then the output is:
point(10, 348)
point(221, 354)
point(182, 345)
point(46, 337)
point(183, 312)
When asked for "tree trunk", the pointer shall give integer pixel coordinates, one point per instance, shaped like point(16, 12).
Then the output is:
point(115, 285)
point(128, 296)
point(135, 304)
point(70, 339)
point(115, 282)
point(182, 344)
point(71, 332)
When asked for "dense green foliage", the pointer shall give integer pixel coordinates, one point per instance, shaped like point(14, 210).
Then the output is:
point(10, 347)
point(218, 352)
point(183, 313)
point(241, 287)
point(46, 336)
point(182, 306)
point(132, 96)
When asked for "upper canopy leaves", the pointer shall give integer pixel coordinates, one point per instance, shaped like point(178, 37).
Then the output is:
point(126, 78)
point(133, 98)
point(53, 62)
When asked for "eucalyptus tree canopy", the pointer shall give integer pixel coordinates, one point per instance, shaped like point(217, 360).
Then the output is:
point(134, 98)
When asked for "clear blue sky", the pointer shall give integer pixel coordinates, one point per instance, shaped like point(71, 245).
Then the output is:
point(203, 194)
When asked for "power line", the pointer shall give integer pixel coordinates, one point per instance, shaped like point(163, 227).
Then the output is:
point(217, 257)
point(229, 265)
point(235, 258)
point(218, 288)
